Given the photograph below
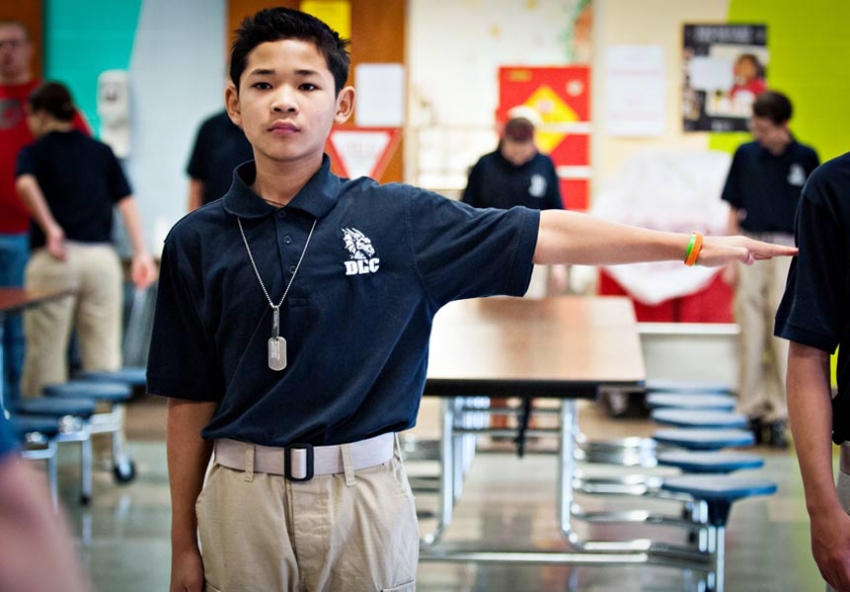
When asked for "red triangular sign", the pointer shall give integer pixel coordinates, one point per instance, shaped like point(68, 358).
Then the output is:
point(363, 152)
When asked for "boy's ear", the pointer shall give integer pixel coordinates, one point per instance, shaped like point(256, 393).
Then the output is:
point(344, 104)
point(231, 103)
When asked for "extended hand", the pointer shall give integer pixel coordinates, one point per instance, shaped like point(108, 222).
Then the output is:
point(720, 250)
point(143, 271)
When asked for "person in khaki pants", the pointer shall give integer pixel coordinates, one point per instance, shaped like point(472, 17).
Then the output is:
point(292, 326)
point(763, 189)
point(69, 182)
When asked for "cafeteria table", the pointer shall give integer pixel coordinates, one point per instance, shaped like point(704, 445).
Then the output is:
point(564, 348)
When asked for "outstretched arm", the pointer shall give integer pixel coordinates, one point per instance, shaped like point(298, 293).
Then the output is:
point(571, 237)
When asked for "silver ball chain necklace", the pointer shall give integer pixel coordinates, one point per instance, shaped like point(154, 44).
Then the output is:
point(277, 344)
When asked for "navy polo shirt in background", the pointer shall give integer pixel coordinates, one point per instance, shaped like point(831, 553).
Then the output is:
point(767, 187)
point(814, 310)
point(381, 262)
point(220, 147)
point(495, 182)
point(81, 180)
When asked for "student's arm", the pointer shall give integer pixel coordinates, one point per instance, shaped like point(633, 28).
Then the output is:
point(188, 457)
point(30, 193)
point(571, 237)
point(196, 194)
point(143, 269)
point(810, 415)
point(36, 550)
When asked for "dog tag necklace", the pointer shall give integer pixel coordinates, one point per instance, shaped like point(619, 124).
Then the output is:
point(277, 344)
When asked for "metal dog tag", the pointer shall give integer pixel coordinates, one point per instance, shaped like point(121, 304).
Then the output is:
point(277, 344)
point(277, 353)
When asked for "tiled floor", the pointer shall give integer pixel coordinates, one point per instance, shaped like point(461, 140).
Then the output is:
point(507, 501)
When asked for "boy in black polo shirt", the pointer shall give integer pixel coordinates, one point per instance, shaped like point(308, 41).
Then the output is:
point(813, 316)
point(763, 190)
point(292, 329)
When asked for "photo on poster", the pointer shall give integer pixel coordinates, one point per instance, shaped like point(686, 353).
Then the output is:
point(724, 69)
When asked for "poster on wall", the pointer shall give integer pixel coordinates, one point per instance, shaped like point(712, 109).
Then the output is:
point(561, 98)
point(724, 68)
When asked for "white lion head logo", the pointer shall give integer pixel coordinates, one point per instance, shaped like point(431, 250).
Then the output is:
point(357, 244)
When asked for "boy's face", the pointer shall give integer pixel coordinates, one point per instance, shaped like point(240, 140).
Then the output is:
point(286, 102)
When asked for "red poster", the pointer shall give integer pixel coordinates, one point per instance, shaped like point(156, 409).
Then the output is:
point(561, 95)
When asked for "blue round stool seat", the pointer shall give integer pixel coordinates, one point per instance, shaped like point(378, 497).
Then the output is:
point(131, 375)
point(98, 390)
point(719, 491)
point(709, 462)
point(686, 386)
point(54, 407)
point(714, 401)
point(29, 424)
point(697, 418)
point(704, 439)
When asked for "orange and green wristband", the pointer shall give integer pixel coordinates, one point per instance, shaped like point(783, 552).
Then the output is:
point(694, 247)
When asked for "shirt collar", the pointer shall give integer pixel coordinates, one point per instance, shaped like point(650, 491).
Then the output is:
point(316, 198)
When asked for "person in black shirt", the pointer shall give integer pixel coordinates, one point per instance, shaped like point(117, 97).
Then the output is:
point(70, 182)
point(813, 317)
point(219, 147)
point(763, 190)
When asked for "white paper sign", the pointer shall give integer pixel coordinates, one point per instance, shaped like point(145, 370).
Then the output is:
point(635, 89)
point(380, 95)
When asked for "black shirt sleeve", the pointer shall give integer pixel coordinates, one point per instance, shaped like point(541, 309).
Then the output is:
point(731, 190)
point(553, 199)
point(119, 186)
point(471, 195)
point(196, 168)
point(182, 362)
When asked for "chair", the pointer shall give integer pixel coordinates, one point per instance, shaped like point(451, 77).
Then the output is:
point(39, 436)
point(111, 394)
point(700, 418)
point(714, 401)
point(74, 418)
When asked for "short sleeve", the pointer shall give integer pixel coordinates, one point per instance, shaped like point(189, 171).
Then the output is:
point(119, 186)
point(463, 252)
point(472, 192)
point(553, 191)
point(811, 309)
point(25, 164)
point(731, 191)
point(196, 168)
point(182, 362)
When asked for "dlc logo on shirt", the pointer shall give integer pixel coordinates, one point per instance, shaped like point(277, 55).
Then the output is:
point(361, 253)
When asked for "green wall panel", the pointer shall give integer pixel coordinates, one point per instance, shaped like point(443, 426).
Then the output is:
point(809, 54)
point(83, 38)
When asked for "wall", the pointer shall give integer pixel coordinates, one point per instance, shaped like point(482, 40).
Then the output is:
point(175, 56)
point(454, 51)
point(648, 22)
point(808, 60)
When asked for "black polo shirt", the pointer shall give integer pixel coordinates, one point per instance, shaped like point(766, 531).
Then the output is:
point(494, 182)
point(81, 181)
point(220, 146)
point(766, 187)
point(381, 262)
point(814, 310)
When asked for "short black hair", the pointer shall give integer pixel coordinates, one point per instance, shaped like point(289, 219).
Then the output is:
point(55, 99)
point(276, 24)
point(774, 106)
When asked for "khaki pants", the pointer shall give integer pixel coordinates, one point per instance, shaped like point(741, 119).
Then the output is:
point(764, 358)
point(93, 272)
point(353, 532)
